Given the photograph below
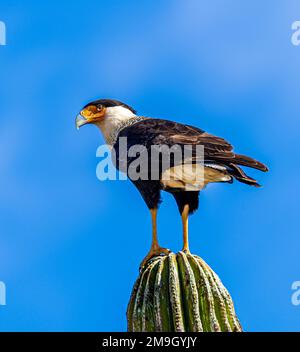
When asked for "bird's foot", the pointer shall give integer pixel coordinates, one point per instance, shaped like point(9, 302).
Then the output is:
point(186, 250)
point(154, 252)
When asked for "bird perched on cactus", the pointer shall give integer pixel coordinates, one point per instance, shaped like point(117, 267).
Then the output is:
point(185, 178)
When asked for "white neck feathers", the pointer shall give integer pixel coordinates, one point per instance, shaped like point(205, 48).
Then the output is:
point(116, 118)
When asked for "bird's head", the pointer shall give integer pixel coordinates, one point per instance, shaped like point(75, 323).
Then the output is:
point(103, 110)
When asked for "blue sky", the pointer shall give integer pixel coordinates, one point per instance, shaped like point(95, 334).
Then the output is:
point(70, 245)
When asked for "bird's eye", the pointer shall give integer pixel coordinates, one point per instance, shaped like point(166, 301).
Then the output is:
point(99, 107)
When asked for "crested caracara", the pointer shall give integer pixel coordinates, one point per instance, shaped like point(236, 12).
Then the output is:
point(184, 179)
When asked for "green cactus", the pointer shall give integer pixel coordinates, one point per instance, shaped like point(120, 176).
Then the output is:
point(180, 292)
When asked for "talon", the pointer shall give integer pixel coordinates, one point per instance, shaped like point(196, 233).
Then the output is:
point(154, 252)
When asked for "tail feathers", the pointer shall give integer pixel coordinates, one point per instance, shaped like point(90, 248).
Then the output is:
point(241, 176)
point(247, 161)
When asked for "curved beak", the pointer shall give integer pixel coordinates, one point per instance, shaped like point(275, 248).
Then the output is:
point(80, 121)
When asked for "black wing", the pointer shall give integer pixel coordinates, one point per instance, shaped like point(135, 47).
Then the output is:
point(163, 132)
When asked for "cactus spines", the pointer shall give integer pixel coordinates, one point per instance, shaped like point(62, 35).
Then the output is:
point(180, 292)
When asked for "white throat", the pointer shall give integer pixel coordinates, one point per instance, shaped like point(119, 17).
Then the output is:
point(116, 118)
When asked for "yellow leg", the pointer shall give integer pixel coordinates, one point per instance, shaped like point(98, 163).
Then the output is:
point(155, 247)
point(185, 226)
point(154, 244)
